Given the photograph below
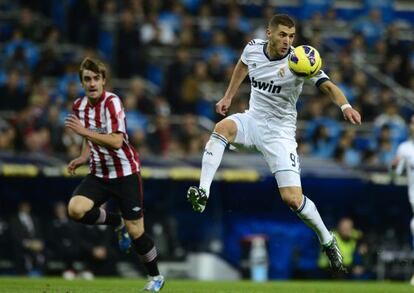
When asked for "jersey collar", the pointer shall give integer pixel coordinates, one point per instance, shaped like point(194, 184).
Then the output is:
point(273, 59)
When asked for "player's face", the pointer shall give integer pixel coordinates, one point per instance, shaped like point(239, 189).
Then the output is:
point(280, 39)
point(412, 126)
point(93, 84)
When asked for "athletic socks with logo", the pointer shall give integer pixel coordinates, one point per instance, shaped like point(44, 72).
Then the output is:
point(213, 153)
point(310, 215)
point(147, 252)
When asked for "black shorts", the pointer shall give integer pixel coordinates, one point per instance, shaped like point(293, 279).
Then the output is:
point(127, 191)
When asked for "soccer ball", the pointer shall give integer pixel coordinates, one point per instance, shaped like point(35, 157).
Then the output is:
point(305, 61)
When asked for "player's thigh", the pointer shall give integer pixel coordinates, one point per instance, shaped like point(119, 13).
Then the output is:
point(245, 129)
point(283, 160)
point(92, 191)
point(129, 195)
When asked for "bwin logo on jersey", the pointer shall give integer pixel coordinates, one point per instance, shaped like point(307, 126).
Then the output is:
point(266, 86)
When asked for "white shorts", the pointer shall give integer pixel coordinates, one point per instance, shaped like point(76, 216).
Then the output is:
point(277, 148)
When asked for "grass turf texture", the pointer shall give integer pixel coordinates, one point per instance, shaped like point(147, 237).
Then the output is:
point(116, 285)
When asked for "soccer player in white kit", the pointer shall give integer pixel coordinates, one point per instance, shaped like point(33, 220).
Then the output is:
point(404, 160)
point(270, 124)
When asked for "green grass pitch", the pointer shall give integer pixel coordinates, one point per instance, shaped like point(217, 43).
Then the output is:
point(117, 285)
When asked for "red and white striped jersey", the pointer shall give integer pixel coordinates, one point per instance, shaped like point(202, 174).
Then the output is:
point(107, 116)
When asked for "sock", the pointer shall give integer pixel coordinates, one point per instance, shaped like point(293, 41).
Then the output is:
point(98, 216)
point(213, 153)
point(106, 218)
point(147, 252)
point(310, 215)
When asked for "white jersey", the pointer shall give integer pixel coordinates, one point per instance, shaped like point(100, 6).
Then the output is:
point(405, 153)
point(274, 88)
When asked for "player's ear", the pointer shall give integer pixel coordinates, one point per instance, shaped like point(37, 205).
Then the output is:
point(268, 32)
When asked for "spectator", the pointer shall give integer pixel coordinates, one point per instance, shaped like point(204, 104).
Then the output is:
point(27, 241)
point(130, 52)
point(97, 249)
point(12, 96)
point(63, 240)
point(349, 242)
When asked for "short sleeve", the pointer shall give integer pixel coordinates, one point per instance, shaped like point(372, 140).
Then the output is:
point(115, 115)
point(320, 78)
point(75, 107)
point(244, 55)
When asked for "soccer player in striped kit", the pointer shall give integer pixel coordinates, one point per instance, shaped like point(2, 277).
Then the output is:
point(270, 125)
point(99, 118)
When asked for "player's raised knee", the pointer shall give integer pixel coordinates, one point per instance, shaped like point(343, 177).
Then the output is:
point(227, 128)
point(77, 208)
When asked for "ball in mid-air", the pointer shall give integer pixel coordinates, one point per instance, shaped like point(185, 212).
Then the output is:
point(305, 61)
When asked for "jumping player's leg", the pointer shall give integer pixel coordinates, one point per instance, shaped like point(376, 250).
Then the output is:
point(281, 156)
point(306, 211)
point(224, 132)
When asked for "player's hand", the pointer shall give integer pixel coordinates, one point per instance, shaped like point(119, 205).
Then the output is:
point(223, 106)
point(74, 164)
point(73, 122)
point(352, 116)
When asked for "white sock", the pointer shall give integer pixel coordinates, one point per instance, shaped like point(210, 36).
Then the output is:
point(310, 215)
point(213, 153)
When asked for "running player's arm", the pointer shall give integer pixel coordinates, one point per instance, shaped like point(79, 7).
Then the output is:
point(338, 97)
point(239, 74)
point(86, 151)
point(112, 140)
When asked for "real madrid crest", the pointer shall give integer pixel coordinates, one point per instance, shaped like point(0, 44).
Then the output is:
point(281, 73)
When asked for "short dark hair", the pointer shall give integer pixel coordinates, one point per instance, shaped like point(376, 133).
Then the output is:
point(93, 65)
point(281, 19)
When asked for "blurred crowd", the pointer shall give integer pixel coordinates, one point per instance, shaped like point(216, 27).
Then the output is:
point(171, 61)
point(36, 245)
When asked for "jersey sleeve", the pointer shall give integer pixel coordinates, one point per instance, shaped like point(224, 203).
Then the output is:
point(244, 55)
point(401, 159)
point(75, 107)
point(115, 116)
point(320, 78)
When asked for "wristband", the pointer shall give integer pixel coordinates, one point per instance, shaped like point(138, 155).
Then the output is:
point(345, 106)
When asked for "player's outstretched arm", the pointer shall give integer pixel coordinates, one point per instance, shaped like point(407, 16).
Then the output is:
point(338, 97)
point(239, 74)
